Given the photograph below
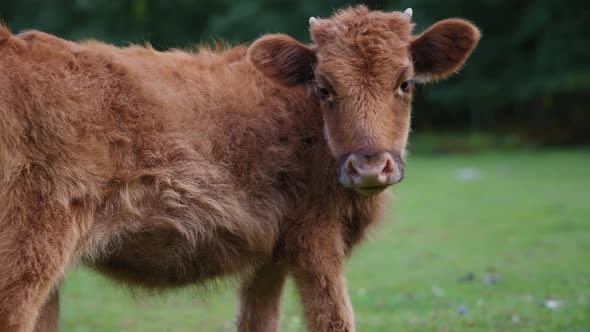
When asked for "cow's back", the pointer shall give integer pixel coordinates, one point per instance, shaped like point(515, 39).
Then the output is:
point(137, 140)
point(48, 116)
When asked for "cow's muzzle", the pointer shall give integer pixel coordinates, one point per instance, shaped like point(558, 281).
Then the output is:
point(370, 173)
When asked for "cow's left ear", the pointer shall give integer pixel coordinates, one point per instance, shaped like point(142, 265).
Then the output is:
point(443, 48)
point(282, 58)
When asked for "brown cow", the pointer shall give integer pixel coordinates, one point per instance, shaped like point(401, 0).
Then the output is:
point(164, 169)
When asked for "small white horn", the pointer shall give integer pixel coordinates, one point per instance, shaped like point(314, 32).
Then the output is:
point(312, 21)
point(409, 12)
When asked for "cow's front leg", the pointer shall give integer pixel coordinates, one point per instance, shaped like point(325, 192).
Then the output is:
point(37, 239)
point(260, 299)
point(49, 316)
point(317, 268)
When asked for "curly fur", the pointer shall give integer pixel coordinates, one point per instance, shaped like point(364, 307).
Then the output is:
point(166, 169)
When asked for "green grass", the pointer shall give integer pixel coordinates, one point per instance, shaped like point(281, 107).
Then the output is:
point(522, 216)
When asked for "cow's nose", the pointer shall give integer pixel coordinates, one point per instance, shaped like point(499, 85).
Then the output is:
point(371, 171)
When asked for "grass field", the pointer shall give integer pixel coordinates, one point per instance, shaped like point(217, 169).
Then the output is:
point(484, 242)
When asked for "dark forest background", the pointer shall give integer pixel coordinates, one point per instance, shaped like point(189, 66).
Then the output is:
point(528, 81)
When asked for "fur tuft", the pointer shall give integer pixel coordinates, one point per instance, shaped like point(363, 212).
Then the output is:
point(4, 33)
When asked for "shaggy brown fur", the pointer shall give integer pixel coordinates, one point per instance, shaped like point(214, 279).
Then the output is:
point(170, 168)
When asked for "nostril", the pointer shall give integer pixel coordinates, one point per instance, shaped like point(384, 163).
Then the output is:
point(351, 170)
point(388, 168)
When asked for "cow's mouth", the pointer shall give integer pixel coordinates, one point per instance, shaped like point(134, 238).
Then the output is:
point(370, 190)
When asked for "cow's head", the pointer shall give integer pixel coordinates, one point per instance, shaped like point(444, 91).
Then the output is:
point(362, 65)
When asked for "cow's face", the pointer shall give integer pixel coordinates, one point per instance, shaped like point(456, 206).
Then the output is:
point(362, 66)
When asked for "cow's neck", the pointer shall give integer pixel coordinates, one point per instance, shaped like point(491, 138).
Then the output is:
point(321, 186)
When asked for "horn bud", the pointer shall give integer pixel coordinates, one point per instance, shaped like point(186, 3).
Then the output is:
point(409, 12)
point(312, 21)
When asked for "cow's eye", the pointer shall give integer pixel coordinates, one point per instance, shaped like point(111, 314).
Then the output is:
point(406, 86)
point(324, 93)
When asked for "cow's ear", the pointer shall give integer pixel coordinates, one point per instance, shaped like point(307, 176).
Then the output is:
point(443, 48)
point(282, 58)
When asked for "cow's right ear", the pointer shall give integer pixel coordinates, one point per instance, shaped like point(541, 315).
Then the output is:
point(282, 58)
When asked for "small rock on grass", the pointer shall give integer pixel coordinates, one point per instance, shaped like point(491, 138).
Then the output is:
point(552, 304)
point(490, 278)
point(515, 319)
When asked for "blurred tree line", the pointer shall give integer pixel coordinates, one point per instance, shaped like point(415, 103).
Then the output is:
point(529, 77)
